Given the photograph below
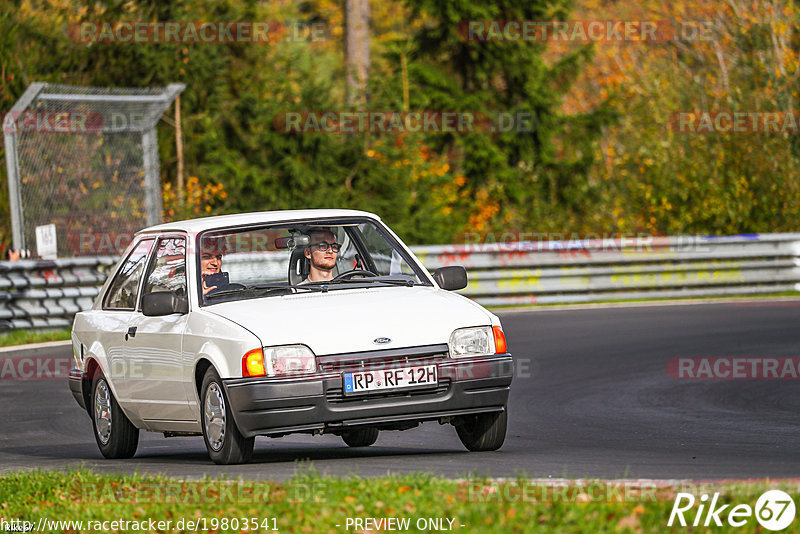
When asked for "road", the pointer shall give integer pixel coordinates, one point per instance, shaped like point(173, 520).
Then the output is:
point(591, 398)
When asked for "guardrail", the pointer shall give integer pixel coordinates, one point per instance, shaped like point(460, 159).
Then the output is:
point(503, 274)
point(47, 294)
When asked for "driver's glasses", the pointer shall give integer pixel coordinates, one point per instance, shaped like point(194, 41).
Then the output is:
point(322, 246)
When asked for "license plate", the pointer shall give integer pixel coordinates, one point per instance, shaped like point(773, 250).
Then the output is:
point(405, 378)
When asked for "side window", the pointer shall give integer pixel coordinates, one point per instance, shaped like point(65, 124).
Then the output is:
point(124, 288)
point(168, 271)
point(387, 260)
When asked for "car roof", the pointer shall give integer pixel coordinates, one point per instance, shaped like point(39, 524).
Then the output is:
point(242, 219)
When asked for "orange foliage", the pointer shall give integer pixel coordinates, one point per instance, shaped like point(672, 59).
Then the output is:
point(198, 199)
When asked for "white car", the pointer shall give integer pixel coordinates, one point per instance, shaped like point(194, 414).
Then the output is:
point(267, 324)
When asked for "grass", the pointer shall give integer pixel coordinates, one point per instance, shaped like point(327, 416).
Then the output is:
point(23, 337)
point(312, 503)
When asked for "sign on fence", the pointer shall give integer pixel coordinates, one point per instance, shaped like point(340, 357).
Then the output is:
point(46, 242)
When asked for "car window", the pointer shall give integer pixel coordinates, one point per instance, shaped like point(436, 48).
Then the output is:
point(168, 270)
point(124, 289)
point(386, 258)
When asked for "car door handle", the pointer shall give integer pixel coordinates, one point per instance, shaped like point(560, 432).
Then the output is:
point(131, 333)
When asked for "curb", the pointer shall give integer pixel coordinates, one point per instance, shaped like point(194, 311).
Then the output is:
point(35, 350)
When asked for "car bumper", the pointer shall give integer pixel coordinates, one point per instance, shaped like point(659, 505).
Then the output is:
point(76, 386)
point(277, 406)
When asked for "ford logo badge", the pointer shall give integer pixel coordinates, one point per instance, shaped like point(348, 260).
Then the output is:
point(381, 340)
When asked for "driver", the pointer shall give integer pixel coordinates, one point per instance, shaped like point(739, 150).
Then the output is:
point(321, 253)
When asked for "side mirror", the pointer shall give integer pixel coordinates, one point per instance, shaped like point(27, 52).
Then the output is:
point(160, 303)
point(451, 278)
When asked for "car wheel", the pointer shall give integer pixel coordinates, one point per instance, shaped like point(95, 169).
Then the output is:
point(115, 434)
point(225, 444)
point(484, 431)
point(361, 438)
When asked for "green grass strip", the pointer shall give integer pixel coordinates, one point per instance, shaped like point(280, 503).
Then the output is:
point(23, 337)
point(310, 503)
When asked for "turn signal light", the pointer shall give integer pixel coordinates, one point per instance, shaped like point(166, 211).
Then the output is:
point(253, 363)
point(500, 346)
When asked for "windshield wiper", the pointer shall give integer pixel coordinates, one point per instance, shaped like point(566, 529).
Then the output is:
point(259, 287)
point(393, 281)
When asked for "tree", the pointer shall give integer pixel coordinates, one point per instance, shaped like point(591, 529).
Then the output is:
point(527, 177)
point(357, 50)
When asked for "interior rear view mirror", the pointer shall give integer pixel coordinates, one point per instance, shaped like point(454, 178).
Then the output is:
point(291, 243)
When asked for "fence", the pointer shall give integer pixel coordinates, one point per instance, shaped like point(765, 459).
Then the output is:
point(46, 294)
point(84, 159)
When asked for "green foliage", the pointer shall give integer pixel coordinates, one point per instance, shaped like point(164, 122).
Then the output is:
point(610, 164)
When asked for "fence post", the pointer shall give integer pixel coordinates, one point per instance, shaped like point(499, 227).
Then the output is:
point(152, 177)
point(12, 163)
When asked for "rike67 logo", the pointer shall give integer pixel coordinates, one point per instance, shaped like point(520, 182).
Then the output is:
point(774, 511)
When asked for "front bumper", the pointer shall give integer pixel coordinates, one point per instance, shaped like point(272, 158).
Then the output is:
point(278, 406)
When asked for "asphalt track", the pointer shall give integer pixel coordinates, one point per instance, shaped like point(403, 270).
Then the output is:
point(592, 398)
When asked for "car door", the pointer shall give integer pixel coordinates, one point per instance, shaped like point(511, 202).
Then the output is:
point(155, 346)
point(119, 305)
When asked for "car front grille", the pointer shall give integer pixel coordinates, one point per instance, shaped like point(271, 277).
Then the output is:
point(382, 359)
point(354, 366)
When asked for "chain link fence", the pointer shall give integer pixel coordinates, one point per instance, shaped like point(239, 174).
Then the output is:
point(84, 159)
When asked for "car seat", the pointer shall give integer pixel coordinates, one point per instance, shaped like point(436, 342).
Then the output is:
point(299, 266)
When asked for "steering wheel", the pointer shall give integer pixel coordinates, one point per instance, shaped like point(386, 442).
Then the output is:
point(355, 272)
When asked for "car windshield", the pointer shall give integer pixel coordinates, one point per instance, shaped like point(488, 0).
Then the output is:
point(287, 258)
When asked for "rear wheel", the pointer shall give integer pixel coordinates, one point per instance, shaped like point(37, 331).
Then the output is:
point(115, 434)
point(224, 442)
point(361, 438)
point(483, 431)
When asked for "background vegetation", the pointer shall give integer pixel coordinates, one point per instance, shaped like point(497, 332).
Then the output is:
point(601, 158)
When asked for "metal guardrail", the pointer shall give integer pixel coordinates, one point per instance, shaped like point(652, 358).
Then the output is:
point(47, 294)
point(521, 273)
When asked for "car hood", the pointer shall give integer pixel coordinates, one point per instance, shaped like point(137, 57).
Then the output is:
point(350, 320)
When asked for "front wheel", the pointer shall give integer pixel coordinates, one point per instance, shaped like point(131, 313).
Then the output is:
point(361, 438)
point(483, 431)
point(225, 444)
point(115, 434)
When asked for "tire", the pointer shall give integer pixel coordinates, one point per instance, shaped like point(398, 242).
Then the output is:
point(484, 431)
point(115, 435)
point(225, 444)
point(361, 438)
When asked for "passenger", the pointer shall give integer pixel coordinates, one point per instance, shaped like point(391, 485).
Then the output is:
point(211, 264)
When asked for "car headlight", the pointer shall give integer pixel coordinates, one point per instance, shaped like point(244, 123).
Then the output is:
point(277, 361)
point(476, 341)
